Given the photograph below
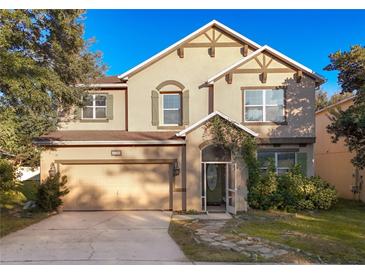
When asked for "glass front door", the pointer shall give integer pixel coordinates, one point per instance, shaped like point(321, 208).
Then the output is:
point(218, 187)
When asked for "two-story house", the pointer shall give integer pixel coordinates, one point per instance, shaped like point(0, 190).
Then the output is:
point(139, 142)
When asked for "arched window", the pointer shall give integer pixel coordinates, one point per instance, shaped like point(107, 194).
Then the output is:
point(216, 153)
point(170, 104)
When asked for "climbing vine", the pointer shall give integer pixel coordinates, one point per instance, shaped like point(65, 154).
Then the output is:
point(242, 145)
point(291, 191)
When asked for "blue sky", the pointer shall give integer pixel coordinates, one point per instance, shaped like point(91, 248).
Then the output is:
point(128, 37)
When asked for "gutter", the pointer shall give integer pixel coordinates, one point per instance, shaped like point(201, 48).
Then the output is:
point(101, 143)
point(116, 85)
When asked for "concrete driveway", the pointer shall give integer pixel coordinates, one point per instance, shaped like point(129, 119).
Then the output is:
point(102, 237)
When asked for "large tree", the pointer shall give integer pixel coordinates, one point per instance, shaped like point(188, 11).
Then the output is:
point(350, 124)
point(43, 58)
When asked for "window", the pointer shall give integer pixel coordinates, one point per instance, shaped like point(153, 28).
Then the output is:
point(264, 105)
point(283, 161)
point(171, 109)
point(94, 106)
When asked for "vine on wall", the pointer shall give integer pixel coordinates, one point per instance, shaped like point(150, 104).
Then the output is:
point(242, 145)
point(290, 191)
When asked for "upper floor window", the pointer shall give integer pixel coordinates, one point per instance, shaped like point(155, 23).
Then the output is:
point(95, 106)
point(171, 108)
point(264, 105)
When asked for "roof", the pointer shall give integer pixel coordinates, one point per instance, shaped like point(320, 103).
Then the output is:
point(272, 51)
point(28, 173)
point(108, 137)
point(191, 36)
point(208, 117)
point(336, 104)
point(105, 82)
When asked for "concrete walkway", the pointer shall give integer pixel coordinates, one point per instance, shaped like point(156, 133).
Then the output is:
point(102, 237)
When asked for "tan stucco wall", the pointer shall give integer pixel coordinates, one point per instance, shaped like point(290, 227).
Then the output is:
point(129, 155)
point(300, 104)
point(117, 123)
point(191, 71)
point(197, 66)
point(333, 160)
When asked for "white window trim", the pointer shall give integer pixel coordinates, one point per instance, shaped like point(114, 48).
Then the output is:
point(276, 161)
point(263, 105)
point(162, 109)
point(94, 106)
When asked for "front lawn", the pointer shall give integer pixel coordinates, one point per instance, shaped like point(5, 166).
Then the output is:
point(13, 222)
point(336, 236)
point(198, 251)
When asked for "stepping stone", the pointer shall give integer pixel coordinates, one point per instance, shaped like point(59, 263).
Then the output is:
point(205, 239)
point(219, 238)
point(268, 255)
point(265, 250)
point(244, 242)
point(280, 252)
point(245, 253)
point(238, 249)
point(254, 248)
point(215, 244)
point(213, 234)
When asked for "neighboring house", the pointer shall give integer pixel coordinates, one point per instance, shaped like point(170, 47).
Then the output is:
point(333, 160)
point(29, 174)
point(139, 142)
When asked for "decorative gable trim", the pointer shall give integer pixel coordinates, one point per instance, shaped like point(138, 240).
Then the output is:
point(207, 118)
point(301, 68)
point(186, 39)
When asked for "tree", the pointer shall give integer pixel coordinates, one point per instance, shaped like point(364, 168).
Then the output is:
point(321, 99)
point(43, 58)
point(350, 123)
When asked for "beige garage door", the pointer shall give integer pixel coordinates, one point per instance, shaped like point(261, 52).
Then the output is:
point(117, 186)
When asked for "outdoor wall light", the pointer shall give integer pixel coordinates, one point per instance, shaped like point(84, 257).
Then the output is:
point(176, 168)
point(52, 170)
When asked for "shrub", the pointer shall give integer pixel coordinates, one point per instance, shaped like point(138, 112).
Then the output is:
point(263, 194)
point(325, 196)
point(9, 186)
point(292, 191)
point(51, 191)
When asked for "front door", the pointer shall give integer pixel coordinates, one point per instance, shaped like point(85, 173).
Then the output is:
point(216, 186)
point(219, 187)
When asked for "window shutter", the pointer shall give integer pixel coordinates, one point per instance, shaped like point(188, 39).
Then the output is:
point(109, 107)
point(185, 107)
point(155, 107)
point(302, 161)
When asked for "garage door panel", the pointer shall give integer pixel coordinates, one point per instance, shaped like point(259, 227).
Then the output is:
point(117, 186)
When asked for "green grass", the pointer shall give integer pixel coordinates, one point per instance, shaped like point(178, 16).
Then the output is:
point(337, 236)
point(198, 251)
point(30, 189)
point(10, 223)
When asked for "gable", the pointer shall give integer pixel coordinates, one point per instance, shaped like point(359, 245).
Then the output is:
point(203, 37)
point(210, 116)
point(263, 61)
